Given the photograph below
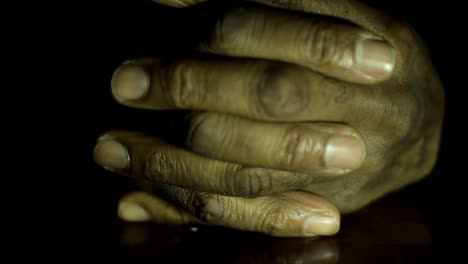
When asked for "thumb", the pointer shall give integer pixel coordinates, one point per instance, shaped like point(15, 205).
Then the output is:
point(179, 3)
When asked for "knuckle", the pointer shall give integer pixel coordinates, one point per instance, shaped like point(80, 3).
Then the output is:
point(178, 84)
point(198, 130)
point(160, 165)
point(232, 29)
point(275, 221)
point(297, 180)
point(207, 207)
point(210, 134)
point(154, 166)
point(255, 182)
point(321, 43)
point(299, 149)
point(252, 182)
point(279, 95)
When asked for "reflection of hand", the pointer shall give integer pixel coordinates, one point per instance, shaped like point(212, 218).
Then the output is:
point(334, 110)
point(226, 246)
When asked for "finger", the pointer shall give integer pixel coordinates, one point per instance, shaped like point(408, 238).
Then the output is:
point(319, 148)
point(335, 49)
point(153, 160)
point(259, 90)
point(142, 207)
point(285, 214)
point(397, 32)
point(357, 12)
point(394, 30)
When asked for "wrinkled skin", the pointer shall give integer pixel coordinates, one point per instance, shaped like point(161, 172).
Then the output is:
point(291, 127)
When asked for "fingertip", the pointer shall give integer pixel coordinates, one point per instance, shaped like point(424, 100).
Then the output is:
point(130, 82)
point(321, 225)
point(320, 217)
point(133, 212)
point(111, 154)
point(159, 210)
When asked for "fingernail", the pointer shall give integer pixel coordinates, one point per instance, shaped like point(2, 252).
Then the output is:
point(130, 82)
point(375, 58)
point(111, 154)
point(133, 212)
point(344, 153)
point(320, 225)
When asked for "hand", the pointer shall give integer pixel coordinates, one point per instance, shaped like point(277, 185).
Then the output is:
point(358, 120)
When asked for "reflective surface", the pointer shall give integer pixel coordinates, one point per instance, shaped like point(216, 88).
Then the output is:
point(382, 233)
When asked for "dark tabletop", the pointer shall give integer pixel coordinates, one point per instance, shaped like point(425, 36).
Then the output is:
point(382, 233)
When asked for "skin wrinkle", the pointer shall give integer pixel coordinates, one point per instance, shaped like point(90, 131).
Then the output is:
point(255, 184)
point(300, 146)
point(227, 135)
point(232, 182)
point(184, 94)
point(153, 167)
point(252, 177)
point(206, 208)
point(325, 40)
point(335, 90)
point(194, 127)
point(345, 57)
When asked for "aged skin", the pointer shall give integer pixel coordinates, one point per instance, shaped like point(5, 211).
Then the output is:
point(308, 116)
